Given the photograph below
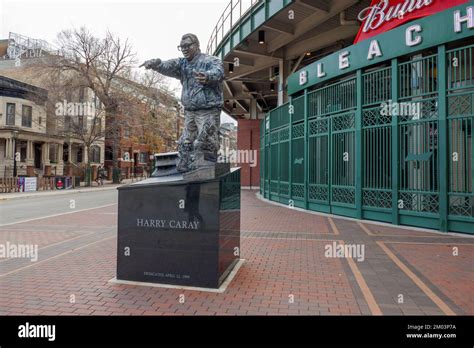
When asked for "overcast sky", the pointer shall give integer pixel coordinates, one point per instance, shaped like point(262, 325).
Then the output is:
point(154, 27)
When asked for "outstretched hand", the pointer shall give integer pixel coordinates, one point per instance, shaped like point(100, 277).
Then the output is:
point(149, 64)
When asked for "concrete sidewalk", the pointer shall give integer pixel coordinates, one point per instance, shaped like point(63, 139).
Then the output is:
point(108, 185)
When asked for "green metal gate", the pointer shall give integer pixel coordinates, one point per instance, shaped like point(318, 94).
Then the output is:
point(418, 140)
point(377, 145)
point(460, 118)
point(391, 143)
point(331, 150)
point(297, 161)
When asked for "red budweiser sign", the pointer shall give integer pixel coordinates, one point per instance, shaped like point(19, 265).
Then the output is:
point(383, 15)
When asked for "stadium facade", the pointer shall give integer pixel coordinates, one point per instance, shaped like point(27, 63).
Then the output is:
point(373, 112)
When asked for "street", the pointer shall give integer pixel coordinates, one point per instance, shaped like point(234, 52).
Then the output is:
point(24, 209)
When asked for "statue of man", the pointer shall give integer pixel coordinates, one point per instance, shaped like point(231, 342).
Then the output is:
point(201, 76)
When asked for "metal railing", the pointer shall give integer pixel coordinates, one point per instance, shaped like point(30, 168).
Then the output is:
point(232, 14)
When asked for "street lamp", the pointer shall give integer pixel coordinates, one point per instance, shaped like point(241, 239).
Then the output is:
point(15, 135)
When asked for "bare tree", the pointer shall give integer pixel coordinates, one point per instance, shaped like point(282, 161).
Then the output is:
point(129, 98)
point(98, 63)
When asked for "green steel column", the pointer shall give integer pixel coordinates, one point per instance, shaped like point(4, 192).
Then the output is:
point(306, 144)
point(252, 20)
point(330, 162)
point(358, 149)
point(442, 141)
point(269, 154)
point(290, 149)
point(278, 156)
point(231, 36)
point(395, 161)
point(262, 157)
point(240, 21)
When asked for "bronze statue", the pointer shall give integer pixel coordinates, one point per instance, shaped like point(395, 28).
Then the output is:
point(201, 76)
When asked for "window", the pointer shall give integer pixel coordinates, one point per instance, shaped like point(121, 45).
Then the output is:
point(143, 157)
point(10, 114)
point(97, 103)
point(126, 132)
point(79, 155)
point(23, 145)
point(65, 152)
point(98, 125)
point(95, 154)
point(26, 116)
point(67, 123)
point(109, 155)
point(80, 123)
point(81, 94)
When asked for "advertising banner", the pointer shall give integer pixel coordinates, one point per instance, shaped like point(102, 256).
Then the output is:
point(30, 184)
point(384, 15)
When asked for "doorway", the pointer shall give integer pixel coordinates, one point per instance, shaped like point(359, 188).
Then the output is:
point(135, 163)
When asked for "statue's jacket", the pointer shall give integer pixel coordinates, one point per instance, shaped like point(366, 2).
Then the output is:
point(196, 96)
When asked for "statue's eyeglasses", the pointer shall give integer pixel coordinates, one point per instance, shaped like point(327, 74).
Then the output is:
point(184, 47)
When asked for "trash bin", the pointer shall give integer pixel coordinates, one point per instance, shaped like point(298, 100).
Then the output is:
point(116, 175)
point(88, 177)
point(67, 182)
point(77, 181)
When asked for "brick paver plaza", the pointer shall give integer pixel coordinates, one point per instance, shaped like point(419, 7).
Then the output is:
point(285, 272)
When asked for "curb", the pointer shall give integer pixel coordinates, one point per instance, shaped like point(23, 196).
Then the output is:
point(370, 222)
point(59, 192)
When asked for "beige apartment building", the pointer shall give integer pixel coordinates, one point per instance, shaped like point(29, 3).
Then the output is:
point(42, 142)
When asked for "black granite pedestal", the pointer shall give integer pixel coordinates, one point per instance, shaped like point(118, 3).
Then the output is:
point(172, 231)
